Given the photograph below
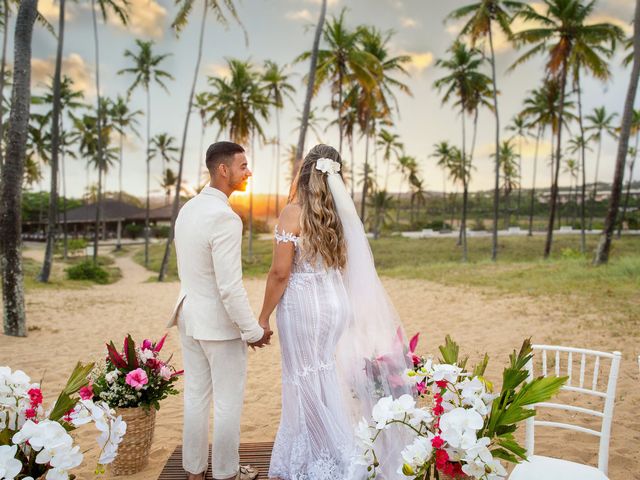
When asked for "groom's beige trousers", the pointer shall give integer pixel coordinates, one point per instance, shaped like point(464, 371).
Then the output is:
point(213, 369)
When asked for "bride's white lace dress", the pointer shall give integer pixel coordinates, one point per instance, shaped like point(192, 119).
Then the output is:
point(315, 438)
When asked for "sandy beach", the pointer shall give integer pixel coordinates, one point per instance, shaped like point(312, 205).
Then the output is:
point(71, 325)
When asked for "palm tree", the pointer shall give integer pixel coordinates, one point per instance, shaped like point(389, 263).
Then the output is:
point(459, 169)
point(600, 123)
point(120, 9)
point(520, 129)
point(12, 176)
point(167, 182)
point(381, 202)
point(239, 106)
point(442, 153)
point(572, 167)
point(391, 146)
point(407, 165)
point(69, 100)
point(314, 123)
point(604, 246)
point(565, 30)
point(417, 192)
point(163, 145)
point(464, 84)
point(542, 108)
point(201, 104)
point(580, 145)
point(146, 68)
point(276, 84)
point(633, 155)
point(628, 45)
point(343, 60)
point(124, 120)
point(509, 162)
point(482, 15)
point(311, 86)
point(180, 21)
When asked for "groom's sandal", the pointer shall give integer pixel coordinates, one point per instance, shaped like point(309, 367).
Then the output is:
point(247, 472)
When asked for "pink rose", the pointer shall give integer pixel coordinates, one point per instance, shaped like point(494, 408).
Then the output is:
point(86, 393)
point(137, 379)
point(165, 373)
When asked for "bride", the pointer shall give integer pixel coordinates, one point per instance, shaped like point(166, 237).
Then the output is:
point(341, 341)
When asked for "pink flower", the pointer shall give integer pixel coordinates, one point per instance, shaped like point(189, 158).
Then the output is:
point(146, 344)
point(30, 413)
point(86, 393)
point(413, 343)
point(422, 388)
point(137, 379)
point(165, 373)
point(154, 364)
point(35, 395)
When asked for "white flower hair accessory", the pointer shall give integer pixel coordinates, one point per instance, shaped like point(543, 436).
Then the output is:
point(328, 166)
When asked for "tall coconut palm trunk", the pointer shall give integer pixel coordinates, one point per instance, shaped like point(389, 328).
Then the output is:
point(628, 193)
point(278, 160)
point(3, 69)
point(594, 193)
point(306, 109)
point(65, 226)
point(147, 227)
point(533, 182)
point(14, 319)
point(52, 223)
point(99, 136)
point(496, 192)
point(554, 186)
point(583, 189)
point(604, 246)
point(176, 201)
point(365, 181)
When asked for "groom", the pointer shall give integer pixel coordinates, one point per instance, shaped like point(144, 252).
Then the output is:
point(214, 317)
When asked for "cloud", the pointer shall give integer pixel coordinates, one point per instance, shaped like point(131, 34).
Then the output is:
point(408, 22)
point(419, 60)
point(146, 18)
point(73, 67)
point(299, 15)
point(217, 70)
point(50, 10)
point(528, 148)
point(618, 22)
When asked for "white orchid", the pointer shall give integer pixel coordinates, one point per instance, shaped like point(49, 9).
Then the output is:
point(444, 371)
point(111, 376)
point(480, 464)
point(460, 426)
point(417, 453)
point(10, 467)
point(364, 433)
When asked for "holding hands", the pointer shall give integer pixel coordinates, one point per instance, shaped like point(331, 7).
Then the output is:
point(266, 338)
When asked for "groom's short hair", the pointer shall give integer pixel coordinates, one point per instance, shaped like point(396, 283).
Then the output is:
point(221, 152)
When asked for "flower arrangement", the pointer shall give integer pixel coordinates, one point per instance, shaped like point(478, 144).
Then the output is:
point(135, 377)
point(465, 429)
point(35, 443)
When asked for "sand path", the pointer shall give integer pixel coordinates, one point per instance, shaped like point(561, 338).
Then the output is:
point(71, 325)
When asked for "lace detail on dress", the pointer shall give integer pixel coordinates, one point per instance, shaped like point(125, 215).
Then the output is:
point(286, 237)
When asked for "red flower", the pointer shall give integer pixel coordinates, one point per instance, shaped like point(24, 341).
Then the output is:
point(86, 393)
point(437, 442)
point(442, 457)
point(154, 363)
point(438, 410)
point(30, 413)
point(441, 383)
point(67, 416)
point(35, 394)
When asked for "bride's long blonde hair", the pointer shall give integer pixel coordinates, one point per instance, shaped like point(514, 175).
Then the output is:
point(321, 230)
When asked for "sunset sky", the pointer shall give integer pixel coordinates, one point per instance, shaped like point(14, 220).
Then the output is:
point(280, 30)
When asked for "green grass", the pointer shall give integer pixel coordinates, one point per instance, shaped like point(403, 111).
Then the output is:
point(520, 268)
point(58, 278)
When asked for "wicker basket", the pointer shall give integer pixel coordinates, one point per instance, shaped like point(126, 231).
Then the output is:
point(133, 452)
point(447, 477)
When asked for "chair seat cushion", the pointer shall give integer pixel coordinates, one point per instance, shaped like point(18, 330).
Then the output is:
point(547, 468)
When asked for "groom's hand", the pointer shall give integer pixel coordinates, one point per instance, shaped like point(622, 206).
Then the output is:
point(265, 340)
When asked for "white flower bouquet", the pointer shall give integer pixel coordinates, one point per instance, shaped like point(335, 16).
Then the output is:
point(35, 443)
point(466, 429)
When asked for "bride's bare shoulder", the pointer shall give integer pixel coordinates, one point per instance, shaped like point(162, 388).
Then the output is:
point(290, 218)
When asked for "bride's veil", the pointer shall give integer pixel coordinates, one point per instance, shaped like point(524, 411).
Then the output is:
point(371, 355)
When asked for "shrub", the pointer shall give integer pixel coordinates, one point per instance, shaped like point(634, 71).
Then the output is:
point(478, 225)
point(73, 245)
point(161, 231)
point(133, 230)
point(86, 270)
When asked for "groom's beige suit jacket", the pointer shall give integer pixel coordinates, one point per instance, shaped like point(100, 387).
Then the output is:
point(213, 301)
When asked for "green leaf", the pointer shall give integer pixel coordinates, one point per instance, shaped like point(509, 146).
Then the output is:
point(450, 352)
point(77, 380)
point(480, 368)
point(504, 455)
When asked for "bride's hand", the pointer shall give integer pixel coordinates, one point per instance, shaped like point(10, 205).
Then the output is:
point(264, 323)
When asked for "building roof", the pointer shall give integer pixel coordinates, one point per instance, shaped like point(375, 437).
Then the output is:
point(112, 211)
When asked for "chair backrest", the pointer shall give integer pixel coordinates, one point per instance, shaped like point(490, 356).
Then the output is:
point(586, 383)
